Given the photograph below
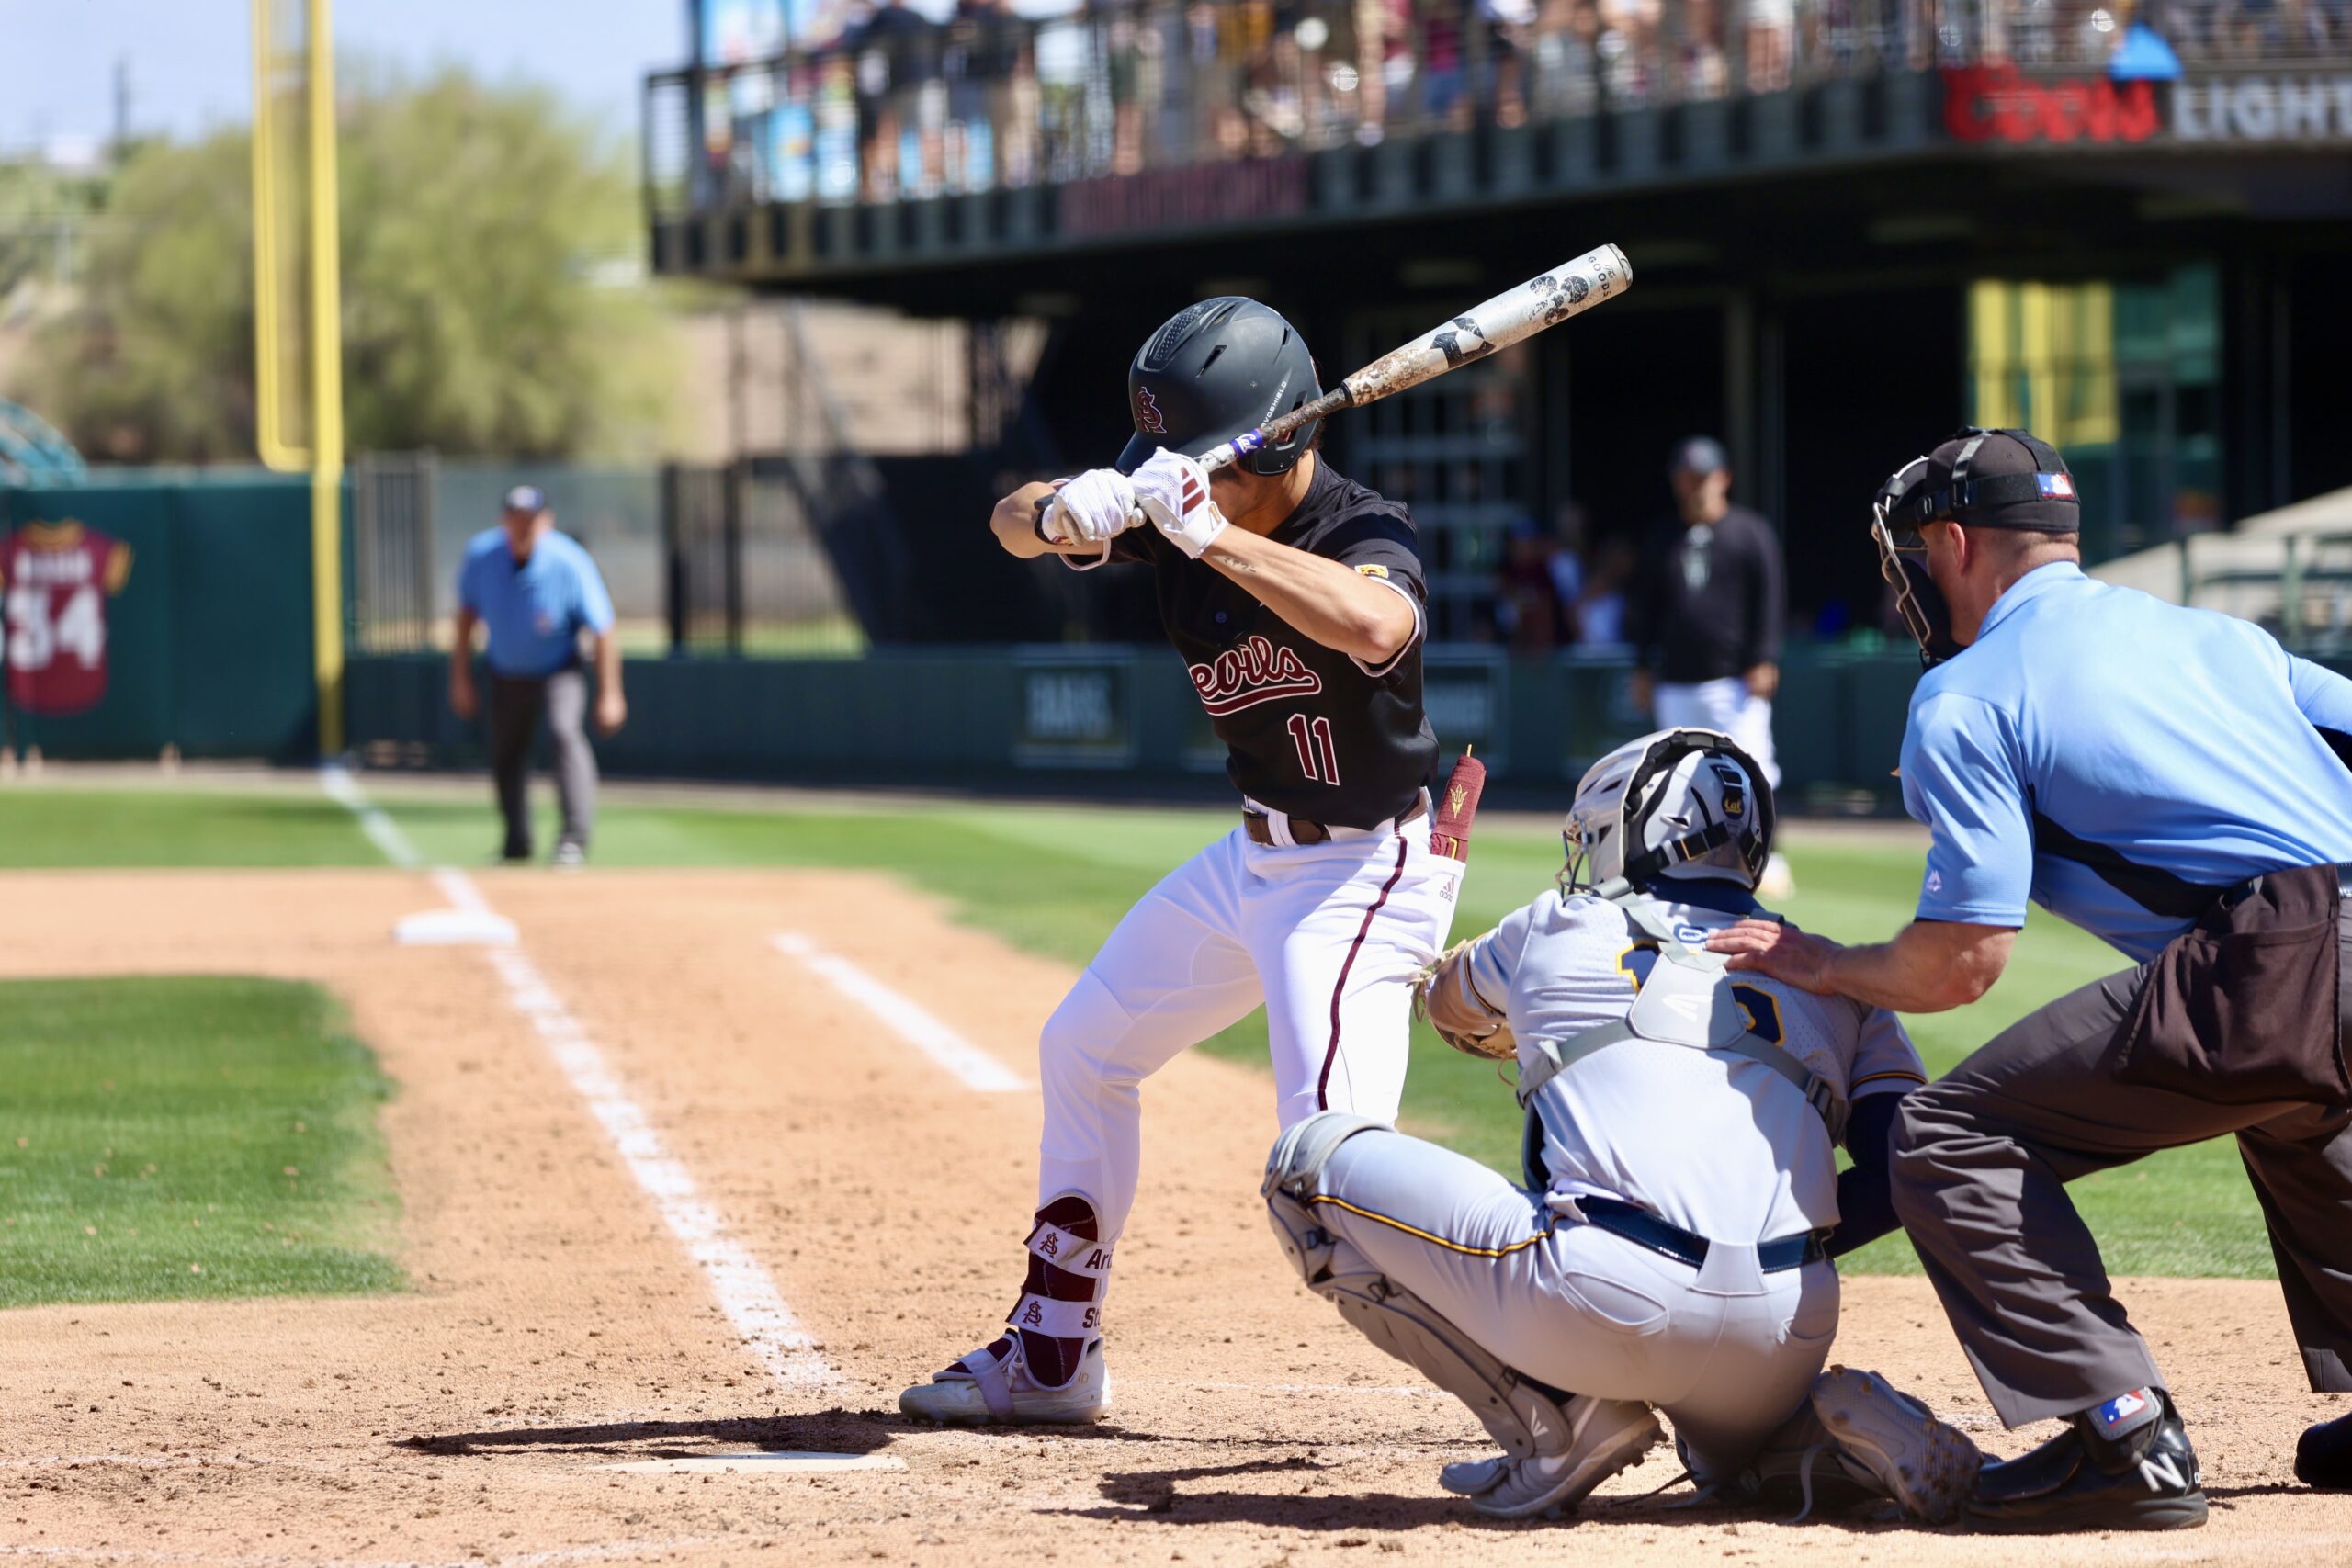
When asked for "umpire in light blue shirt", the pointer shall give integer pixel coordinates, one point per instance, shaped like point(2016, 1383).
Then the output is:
point(537, 590)
point(2170, 780)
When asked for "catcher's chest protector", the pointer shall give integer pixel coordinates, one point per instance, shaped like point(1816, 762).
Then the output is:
point(1686, 1001)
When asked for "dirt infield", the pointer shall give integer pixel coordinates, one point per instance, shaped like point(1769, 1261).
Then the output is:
point(558, 1327)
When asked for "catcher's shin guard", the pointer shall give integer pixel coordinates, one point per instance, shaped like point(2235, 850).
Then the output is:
point(1524, 1417)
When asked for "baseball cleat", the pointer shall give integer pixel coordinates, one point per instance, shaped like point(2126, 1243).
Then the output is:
point(1925, 1464)
point(2324, 1457)
point(993, 1386)
point(2142, 1479)
point(1475, 1477)
point(1605, 1436)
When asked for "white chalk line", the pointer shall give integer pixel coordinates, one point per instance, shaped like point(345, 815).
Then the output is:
point(746, 1294)
point(920, 1028)
point(1299, 1388)
point(382, 830)
point(602, 1552)
point(745, 1291)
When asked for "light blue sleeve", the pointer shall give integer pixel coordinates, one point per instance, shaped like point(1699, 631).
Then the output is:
point(1962, 778)
point(2325, 696)
point(468, 579)
point(595, 604)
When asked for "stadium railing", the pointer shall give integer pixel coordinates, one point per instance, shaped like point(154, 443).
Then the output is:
point(917, 109)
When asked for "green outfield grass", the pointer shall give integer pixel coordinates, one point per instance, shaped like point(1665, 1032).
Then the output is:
point(187, 1136)
point(1054, 879)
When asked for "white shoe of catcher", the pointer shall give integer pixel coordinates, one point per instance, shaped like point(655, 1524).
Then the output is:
point(1605, 1436)
point(1926, 1465)
point(987, 1388)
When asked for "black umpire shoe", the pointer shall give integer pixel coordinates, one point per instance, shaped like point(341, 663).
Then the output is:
point(2143, 1478)
point(2323, 1458)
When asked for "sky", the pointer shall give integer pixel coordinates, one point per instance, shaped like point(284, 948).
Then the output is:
point(191, 61)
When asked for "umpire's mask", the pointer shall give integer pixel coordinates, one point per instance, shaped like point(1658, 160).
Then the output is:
point(1981, 479)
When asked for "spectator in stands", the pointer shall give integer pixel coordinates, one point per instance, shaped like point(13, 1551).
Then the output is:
point(1530, 607)
point(1567, 562)
point(1771, 44)
point(1510, 26)
point(1567, 38)
point(535, 590)
point(1702, 70)
point(1600, 609)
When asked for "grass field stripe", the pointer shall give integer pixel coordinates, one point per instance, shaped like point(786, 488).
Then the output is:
point(382, 830)
point(746, 1292)
point(974, 1068)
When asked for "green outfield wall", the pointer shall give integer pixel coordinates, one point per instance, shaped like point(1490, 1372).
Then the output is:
point(1073, 718)
point(194, 631)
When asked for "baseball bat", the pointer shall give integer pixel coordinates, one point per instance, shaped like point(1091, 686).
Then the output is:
point(1512, 316)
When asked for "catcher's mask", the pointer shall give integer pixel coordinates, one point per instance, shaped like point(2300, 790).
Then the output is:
point(1983, 478)
point(1688, 803)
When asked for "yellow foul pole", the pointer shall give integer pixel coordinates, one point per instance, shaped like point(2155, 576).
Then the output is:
point(274, 242)
point(326, 385)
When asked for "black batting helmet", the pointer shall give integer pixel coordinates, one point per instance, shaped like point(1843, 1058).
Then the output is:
point(1214, 371)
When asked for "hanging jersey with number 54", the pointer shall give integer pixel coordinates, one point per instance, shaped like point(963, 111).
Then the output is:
point(58, 577)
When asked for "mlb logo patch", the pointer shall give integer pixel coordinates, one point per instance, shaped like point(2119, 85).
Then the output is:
point(2056, 486)
point(2121, 1408)
point(1372, 569)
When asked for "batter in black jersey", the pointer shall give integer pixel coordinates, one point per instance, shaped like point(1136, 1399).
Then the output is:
point(1295, 596)
point(1309, 730)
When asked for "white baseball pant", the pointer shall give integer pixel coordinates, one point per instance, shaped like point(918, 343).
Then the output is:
point(1327, 936)
point(1727, 1351)
point(1726, 704)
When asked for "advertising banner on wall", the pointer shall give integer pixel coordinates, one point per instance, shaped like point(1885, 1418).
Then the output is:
point(2001, 105)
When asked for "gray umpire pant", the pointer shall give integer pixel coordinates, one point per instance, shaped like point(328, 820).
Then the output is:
point(1727, 1351)
point(1981, 1162)
point(516, 704)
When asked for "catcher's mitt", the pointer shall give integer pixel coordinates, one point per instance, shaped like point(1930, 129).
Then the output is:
point(1446, 998)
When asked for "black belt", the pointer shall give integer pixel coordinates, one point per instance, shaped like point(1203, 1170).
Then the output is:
point(1645, 1229)
point(1260, 827)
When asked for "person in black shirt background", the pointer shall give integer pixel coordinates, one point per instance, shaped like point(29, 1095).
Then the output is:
point(1704, 618)
point(1295, 596)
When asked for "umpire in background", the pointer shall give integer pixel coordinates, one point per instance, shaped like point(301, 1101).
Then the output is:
point(537, 591)
point(1704, 618)
point(2167, 779)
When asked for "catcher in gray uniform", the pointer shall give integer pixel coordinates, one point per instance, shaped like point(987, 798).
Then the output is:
point(1670, 1245)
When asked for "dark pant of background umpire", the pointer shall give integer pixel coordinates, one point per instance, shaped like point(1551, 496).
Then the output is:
point(515, 704)
point(1981, 1159)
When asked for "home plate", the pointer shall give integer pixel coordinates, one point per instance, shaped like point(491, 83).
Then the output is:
point(455, 928)
point(796, 1461)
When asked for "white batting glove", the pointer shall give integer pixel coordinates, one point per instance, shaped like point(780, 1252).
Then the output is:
point(1092, 509)
point(1173, 491)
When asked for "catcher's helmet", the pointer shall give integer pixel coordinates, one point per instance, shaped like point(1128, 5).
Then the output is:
point(1214, 371)
point(1677, 803)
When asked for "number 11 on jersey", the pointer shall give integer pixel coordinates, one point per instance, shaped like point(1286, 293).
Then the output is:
point(1318, 758)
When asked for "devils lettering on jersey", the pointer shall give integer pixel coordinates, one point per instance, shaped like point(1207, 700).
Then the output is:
point(1262, 681)
point(1255, 672)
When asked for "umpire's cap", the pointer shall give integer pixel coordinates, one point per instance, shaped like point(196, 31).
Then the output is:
point(1214, 371)
point(1986, 478)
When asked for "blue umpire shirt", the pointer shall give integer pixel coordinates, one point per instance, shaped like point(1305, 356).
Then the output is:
point(534, 611)
point(2120, 761)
